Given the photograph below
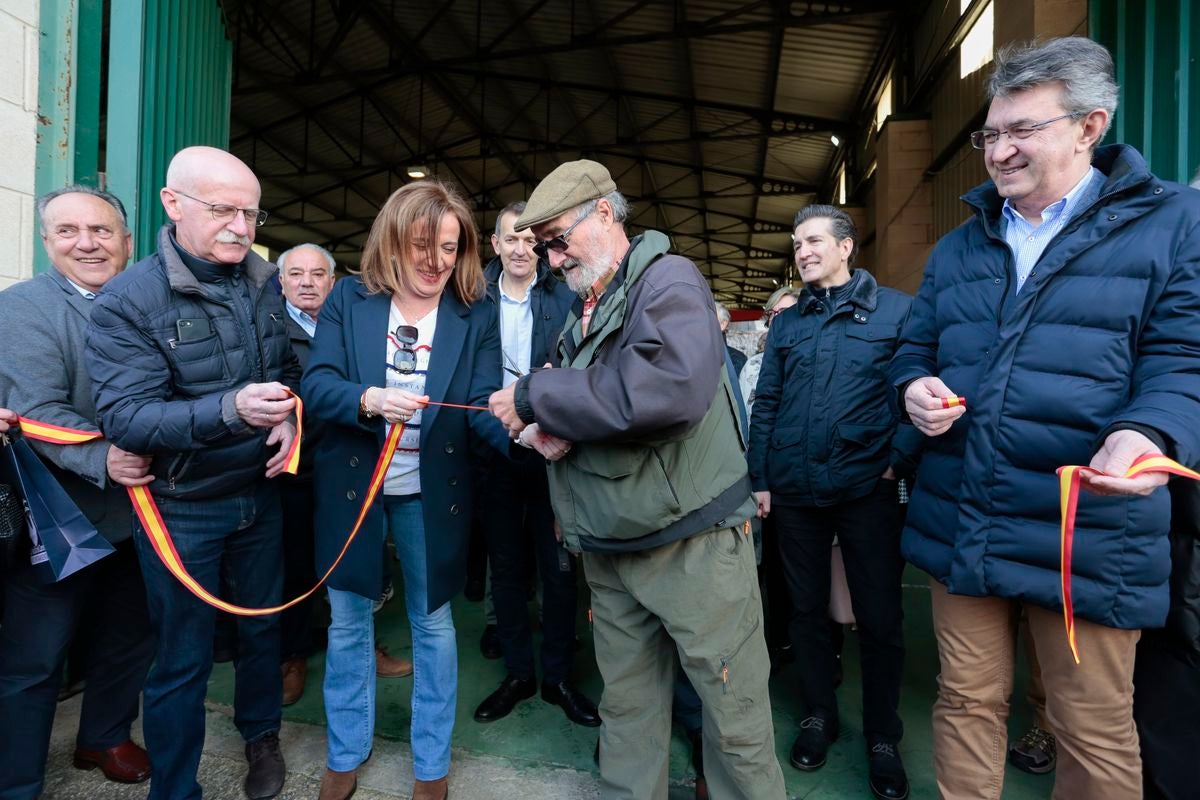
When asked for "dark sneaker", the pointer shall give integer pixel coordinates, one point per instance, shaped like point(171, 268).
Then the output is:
point(267, 772)
point(1035, 752)
point(812, 743)
point(886, 772)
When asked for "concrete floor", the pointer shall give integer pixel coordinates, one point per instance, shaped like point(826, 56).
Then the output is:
point(535, 752)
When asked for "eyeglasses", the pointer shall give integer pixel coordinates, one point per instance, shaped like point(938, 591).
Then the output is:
point(986, 138)
point(225, 213)
point(405, 359)
point(559, 243)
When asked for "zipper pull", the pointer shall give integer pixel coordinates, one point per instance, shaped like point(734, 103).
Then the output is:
point(171, 483)
point(591, 628)
point(746, 528)
point(724, 677)
point(172, 342)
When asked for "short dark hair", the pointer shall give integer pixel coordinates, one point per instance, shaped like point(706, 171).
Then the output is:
point(79, 188)
point(840, 224)
point(517, 208)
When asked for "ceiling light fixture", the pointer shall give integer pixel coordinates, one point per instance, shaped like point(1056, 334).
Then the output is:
point(836, 141)
point(417, 171)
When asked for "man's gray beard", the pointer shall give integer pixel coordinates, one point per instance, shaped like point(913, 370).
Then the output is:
point(582, 280)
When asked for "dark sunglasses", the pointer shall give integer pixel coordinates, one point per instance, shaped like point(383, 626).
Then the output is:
point(405, 359)
point(559, 243)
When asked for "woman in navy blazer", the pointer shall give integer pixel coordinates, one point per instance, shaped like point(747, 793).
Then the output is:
point(404, 332)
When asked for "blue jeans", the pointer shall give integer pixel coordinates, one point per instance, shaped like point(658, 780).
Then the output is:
point(350, 660)
point(243, 531)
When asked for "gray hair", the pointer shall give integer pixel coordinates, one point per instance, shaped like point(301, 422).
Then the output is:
point(283, 257)
point(779, 294)
point(79, 188)
point(1083, 67)
point(723, 316)
point(517, 208)
point(840, 224)
point(620, 206)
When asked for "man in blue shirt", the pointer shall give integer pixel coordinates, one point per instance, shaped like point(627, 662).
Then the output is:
point(515, 498)
point(1065, 312)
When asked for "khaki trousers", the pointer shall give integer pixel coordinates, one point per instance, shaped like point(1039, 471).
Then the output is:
point(699, 598)
point(1089, 706)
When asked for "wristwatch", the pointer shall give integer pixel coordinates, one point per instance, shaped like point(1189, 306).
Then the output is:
point(363, 411)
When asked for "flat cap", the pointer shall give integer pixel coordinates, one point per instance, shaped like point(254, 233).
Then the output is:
point(569, 185)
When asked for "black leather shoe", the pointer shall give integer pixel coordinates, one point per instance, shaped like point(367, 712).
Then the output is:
point(267, 770)
point(574, 703)
point(812, 743)
point(489, 643)
point(499, 704)
point(886, 772)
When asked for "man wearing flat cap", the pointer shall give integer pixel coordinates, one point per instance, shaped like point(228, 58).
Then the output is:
point(653, 491)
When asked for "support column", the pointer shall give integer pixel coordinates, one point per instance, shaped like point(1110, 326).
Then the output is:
point(903, 203)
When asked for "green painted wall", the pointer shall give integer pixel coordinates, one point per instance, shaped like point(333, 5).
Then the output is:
point(169, 78)
point(1156, 47)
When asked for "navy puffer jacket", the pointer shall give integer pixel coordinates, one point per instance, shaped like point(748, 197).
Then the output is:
point(1105, 332)
point(824, 425)
point(161, 394)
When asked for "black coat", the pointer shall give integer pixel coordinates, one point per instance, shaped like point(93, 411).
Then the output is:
point(349, 354)
point(824, 417)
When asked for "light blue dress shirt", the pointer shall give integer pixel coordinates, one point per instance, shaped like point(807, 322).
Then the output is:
point(302, 318)
point(1028, 242)
point(516, 330)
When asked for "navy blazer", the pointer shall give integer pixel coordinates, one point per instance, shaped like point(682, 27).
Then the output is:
point(349, 354)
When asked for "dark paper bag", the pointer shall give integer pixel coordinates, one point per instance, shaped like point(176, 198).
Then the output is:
point(62, 540)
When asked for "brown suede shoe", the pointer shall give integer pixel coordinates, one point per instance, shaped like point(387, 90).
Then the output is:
point(295, 673)
point(338, 785)
point(388, 667)
point(431, 790)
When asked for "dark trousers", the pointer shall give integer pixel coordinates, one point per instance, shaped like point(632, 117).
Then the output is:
point(516, 509)
point(868, 530)
point(1166, 708)
point(243, 531)
point(776, 603)
point(39, 623)
point(297, 634)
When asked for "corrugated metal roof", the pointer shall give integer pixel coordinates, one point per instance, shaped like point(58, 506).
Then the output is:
point(713, 116)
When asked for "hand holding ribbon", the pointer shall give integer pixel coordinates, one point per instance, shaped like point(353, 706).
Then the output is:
point(1145, 469)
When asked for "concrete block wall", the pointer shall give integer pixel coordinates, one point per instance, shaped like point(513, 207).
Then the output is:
point(18, 132)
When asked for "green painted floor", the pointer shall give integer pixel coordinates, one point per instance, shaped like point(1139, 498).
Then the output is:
point(538, 733)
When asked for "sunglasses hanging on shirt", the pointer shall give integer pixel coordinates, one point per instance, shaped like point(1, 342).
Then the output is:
point(404, 360)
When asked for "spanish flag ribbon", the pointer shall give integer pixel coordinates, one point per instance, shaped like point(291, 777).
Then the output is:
point(55, 434)
point(152, 521)
point(1068, 485)
point(160, 538)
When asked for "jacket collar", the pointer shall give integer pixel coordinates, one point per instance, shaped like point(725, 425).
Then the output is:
point(1123, 167)
point(491, 274)
point(863, 292)
point(74, 299)
point(181, 279)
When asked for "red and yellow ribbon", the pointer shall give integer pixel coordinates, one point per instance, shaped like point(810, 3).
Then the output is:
point(156, 529)
point(1068, 485)
point(160, 538)
point(953, 401)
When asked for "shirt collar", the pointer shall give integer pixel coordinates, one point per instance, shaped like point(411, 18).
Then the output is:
point(87, 294)
point(1067, 205)
point(504, 293)
point(602, 283)
point(303, 318)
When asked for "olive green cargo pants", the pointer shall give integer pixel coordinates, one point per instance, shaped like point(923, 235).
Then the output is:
point(698, 597)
